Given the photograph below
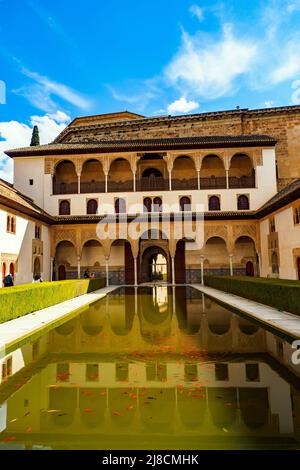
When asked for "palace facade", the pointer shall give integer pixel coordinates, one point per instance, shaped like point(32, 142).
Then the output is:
point(112, 194)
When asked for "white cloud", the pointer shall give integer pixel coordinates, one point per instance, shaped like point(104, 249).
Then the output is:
point(40, 94)
point(14, 134)
point(288, 65)
point(182, 106)
point(209, 68)
point(197, 11)
point(269, 104)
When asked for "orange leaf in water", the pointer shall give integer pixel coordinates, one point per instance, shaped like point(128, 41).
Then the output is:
point(29, 429)
point(88, 410)
point(10, 439)
point(130, 407)
point(117, 413)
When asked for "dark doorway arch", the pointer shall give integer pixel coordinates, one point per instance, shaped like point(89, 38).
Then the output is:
point(298, 266)
point(61, 273)
point(249, 269)
point(129, 264)
point(214, 203)
point(37, 267)
point(179, 262)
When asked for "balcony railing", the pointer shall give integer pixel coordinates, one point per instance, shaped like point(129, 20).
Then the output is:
point(219, 182)
point(65, 188)
point(119, 186)
point(152, 184)
point(191, 183)
point(242, 182)
point(156, 184)
point(92, 187)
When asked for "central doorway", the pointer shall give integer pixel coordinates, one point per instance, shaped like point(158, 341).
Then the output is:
point(154, 265)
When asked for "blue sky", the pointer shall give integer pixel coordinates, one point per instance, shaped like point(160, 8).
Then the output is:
point(60, 59)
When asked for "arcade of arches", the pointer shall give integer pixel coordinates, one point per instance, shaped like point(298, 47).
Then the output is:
point(154, 172)
point(227, 249)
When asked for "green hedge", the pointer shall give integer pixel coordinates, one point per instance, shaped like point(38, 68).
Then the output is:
point(282, 294)
point(20, 300)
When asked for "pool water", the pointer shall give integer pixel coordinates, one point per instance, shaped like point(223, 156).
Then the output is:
point(151, 368)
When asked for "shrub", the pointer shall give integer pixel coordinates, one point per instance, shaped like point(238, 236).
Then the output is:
point(20, 300)
point(282, 294)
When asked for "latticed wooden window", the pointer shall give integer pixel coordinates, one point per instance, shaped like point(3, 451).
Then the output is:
point(64, 208)
point(243, 203)
point(214, 203)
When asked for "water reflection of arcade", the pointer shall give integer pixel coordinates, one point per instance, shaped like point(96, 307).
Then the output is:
point(156, 315)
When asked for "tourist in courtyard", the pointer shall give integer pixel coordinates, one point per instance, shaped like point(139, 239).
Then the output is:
point(8, 281)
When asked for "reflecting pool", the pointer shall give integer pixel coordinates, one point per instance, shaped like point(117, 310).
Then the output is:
point(151, 368)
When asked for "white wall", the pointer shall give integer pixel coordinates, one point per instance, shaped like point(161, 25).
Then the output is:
point(288, 239)
point(27, 168)
point(20, 244)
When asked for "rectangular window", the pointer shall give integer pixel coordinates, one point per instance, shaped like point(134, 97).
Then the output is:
point(252, 372)
point(221, 371)
point(35, 350)
point(122, 372)
point(297, 215)
point(92, 372)
point(37, 232)
point(11, 223)
point(190, 372)
point(63, 372)
point(31, 182)
point(272, 225)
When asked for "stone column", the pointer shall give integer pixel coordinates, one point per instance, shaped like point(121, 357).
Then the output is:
point(170, 179)
point(135, 271)
point(231, 264)
point(173, 269)
point(134, 181)
point(227, 179)
point(202, 269)
point(106, 177)
point(78, 267)
point(78, 178)
point(259, 264)
point(198, 176)
point(51, 268)
point(107, 270)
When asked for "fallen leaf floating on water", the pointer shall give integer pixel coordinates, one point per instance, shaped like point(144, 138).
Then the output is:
point(14, 420)
point(224, 429)
point(117, 413)
point(88, 410)
point(130, 407)
point(29, 429)
point(10, 439)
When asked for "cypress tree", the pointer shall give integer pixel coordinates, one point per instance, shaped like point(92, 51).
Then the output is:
point(35, 139)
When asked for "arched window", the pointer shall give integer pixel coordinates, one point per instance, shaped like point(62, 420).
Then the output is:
point(12, 269)
point(3, 270)
point(92, 206)
point(214, 203)
point(64, 208)
point(8, 223)
point(147, 204)
point(185, 203)
point(157, 204)
point(120, 206)
point(243, 203)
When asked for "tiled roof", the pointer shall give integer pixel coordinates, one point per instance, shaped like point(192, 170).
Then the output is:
point(13, 199)
point(74, 128)
point(146, 144)
point(288, 194)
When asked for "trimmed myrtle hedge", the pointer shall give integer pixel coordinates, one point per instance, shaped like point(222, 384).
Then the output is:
point(282, 294)
point(20, 300)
